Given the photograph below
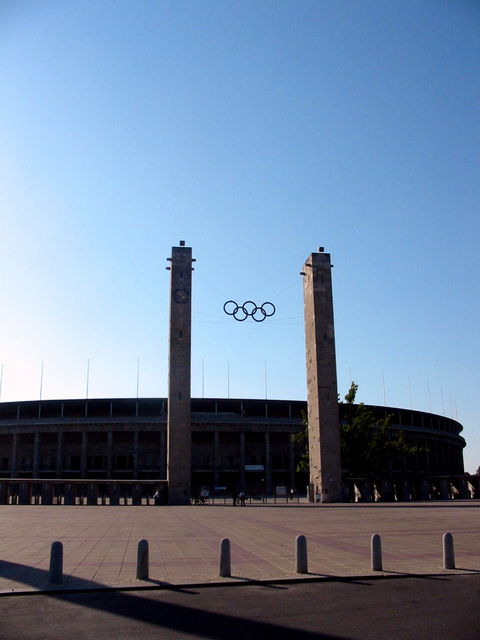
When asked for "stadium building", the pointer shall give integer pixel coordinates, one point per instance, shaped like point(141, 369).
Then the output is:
point(235, 443)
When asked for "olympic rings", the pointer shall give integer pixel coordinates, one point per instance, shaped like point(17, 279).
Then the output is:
point(249, 309)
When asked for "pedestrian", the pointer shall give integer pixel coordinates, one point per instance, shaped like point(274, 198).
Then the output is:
point(234, 496)
point(242, 497)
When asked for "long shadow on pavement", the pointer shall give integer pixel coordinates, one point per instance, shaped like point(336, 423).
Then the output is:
point(180, 618)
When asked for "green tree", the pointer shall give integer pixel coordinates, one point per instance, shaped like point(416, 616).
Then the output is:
point(368, 445)
point(301, 438)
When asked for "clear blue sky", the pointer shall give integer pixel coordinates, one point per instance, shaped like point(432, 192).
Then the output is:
point(255, 131)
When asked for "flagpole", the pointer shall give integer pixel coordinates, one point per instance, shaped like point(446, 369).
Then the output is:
point(138, 374)
point(41, 382)
point(228, 378)
point(265, 378)
point(86, 388)
point(138, 377)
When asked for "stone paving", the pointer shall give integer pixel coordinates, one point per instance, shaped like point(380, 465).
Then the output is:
point(100, 542)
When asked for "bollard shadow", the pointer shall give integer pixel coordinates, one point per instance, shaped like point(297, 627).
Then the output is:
point(38, 578)
point(152, 581)
point(310, 576)
point(420, 576)
point(258, 583)
point(181, 618)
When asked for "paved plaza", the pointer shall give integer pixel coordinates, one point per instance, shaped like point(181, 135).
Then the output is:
point(100, 542)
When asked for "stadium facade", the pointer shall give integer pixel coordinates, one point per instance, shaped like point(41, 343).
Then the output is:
point(235, 443)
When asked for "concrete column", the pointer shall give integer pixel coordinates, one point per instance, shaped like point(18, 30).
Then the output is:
point(47, 493)
point(114, 492)
point(242, 459)
point(424, 489)
point(463, 488)
point(109, 454)
point(92, 493)
point(367, 491)
point(83, 455)
point(291, 464)
point(13, 457)
point(475, 480)
point(135, 453)
point(387, 490)
point(268, 465)
point(322, 395)
point(216, 454)
point(163, 454)
point(427, 456)
point(179, 443)
point(36, 454)
point(444, 489)
point(69, 493)
point(436, 458)
point(25, 493)
point(406, 490)
point(60, 453)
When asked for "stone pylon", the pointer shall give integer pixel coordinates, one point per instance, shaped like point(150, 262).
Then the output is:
point(322, 394)
point(179, 431)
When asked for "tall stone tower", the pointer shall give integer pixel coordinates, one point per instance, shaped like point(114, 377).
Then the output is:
point(322, 394)
point(179, 435)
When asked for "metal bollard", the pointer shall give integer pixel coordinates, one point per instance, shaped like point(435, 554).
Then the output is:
point(376, 552)
point(225, 565)
point(448, 553)
point(142, 560)
point(55, 573)
point(301, 560)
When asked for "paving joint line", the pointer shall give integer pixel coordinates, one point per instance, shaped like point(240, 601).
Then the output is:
point(239, 582)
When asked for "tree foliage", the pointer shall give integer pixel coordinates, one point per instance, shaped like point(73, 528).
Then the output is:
point(301, 438)
point(368, 446)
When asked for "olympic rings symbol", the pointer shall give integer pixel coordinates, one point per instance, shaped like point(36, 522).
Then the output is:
point(249, 308)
